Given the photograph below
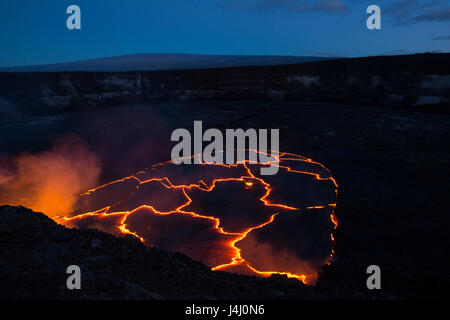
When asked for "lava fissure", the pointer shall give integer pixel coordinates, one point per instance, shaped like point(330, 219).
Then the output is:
point(249, 179)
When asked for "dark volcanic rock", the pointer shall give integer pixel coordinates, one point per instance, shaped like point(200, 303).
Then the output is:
point(36, 253)
point(418, 82)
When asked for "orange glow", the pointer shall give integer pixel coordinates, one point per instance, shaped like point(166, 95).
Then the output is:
point(50, 181)
point(249, 179)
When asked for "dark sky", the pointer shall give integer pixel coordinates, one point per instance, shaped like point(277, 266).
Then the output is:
point(34, 32)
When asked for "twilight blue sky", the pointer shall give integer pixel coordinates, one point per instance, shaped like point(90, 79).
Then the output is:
point(34, 31)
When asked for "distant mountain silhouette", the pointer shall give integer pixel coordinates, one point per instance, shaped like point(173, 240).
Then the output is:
point(149, 62)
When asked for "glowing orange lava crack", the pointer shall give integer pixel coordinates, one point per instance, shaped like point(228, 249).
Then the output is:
point(237, 258)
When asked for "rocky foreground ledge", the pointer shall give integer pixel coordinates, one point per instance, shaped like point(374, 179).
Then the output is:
point(35, 253)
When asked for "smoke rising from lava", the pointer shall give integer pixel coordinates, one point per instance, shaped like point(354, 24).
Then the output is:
point(49, 181)
point(226, 216)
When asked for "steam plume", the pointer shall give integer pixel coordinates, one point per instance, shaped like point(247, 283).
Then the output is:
point(49, 181)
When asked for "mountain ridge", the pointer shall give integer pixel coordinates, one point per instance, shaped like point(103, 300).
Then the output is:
point(163, 61)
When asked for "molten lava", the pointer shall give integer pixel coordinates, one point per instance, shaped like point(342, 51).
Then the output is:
point(220, 214)
point(227, 216)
